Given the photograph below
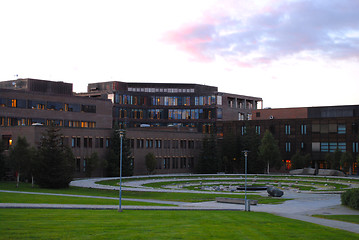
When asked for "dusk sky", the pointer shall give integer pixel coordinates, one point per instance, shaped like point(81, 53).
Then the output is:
point(292, 53)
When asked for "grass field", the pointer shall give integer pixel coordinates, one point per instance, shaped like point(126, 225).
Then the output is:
point(106, 224)
point(345, 218)
point(181, 197)
point(31, 198)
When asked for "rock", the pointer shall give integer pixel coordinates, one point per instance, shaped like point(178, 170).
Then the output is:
point(274, 192)
point(330, 172)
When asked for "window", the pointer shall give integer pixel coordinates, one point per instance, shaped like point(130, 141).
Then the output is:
point(243, 130)
point(140, 143)
point(101, 142)
point(258, 130)
point(342, 129)
point(13, 103)
point(174, 163)
point(258, 114)
point(355, 147)
point(303, 129)
point(287, 129)
point(85, 142)
point(158, 143)
point(73, 142)
point(183, 144)
point(287, 147)
point(175, 144)
point(78, 164)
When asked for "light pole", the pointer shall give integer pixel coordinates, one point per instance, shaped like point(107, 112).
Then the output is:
point(120, 132)
point(246, 205)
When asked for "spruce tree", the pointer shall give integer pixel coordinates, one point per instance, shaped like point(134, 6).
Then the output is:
point(113, 156)
point(55, 161)
point(208, 161)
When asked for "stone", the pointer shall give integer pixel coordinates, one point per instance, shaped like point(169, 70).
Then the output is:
point(274, 192)
point(330, 172)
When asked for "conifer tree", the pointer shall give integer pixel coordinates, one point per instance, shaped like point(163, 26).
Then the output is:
point(55, 161)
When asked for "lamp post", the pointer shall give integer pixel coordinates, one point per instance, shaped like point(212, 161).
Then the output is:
point(120, 132)
point(246, 205)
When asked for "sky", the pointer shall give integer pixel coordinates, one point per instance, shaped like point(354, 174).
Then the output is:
point(291, 53)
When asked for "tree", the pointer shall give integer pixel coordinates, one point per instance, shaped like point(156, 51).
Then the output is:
point(113, 156)
point(2, 160)
point(251, 142)
point(150, 161)
point(208, 161)
point(55, 161)
point(269, 151)
point(346, 162)
point(91, 163)
point(299, 160)
point(20, 157)
point(229, 153)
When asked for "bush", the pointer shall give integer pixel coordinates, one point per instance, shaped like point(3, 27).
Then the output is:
point(350, 198)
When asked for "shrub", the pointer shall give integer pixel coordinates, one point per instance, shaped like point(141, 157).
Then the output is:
point(350, 198)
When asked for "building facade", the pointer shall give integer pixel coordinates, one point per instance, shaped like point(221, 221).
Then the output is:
point(314, 130)
point(28, 106)
point(164, 104)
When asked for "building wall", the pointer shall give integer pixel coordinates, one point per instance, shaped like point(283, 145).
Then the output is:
point(322, 132)
point(176, 149)
point(280, 113)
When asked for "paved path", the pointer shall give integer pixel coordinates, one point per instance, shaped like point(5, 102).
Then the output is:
point(301, 207)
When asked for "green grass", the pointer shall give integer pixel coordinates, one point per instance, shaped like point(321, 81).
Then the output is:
point(34, 198)
point(107, 224)
point(181, 197)
point(345, 218)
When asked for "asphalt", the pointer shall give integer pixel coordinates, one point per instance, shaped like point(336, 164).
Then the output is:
point(301, 206)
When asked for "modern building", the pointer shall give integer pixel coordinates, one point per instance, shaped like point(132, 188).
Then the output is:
point(313, 130)
point(165, 104)
point(169, 120)
point(27, 106)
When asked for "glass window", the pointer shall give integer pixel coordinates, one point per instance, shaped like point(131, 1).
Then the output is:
point(342, 129)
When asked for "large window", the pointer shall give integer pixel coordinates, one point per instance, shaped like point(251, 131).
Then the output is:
point(333, 146)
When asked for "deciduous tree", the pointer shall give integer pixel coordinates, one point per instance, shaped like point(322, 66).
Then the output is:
point(269, 151)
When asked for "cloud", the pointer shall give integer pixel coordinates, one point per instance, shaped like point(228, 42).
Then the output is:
point(267, 33)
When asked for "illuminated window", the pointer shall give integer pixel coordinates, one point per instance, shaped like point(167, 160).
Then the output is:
point(13, 103)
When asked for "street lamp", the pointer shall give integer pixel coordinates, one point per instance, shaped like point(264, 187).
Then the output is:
point(121, 133)
point(246, 205)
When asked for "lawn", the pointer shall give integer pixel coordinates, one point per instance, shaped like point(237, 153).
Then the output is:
point(34, 198)
point(107, 224)
point(181, 197)
point(345, 218)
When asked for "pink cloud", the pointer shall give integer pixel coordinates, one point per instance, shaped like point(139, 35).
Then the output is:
point(279, 29)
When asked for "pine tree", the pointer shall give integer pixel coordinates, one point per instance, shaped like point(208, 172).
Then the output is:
point(208, 161)
point(55, 161)
point(113, 156)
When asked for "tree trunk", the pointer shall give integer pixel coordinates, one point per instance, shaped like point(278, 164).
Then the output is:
point(17, 179)
point(268, 168)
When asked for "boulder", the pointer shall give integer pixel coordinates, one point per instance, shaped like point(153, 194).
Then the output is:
point(274, 192)
point(330, 172)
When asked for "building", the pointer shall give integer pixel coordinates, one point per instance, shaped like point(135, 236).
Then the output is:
point(312, 130)
point(27, 106)
point(164, 104)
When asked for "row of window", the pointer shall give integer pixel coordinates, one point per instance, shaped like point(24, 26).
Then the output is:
point(166, 144)
point(19, 121)
point(316, 128)
point(168, 113)
point(162, 90)
point(165, 100)
point(239, 103)
point(330, 146)
point(175, 163)
point(86, 142)
point(39, 104)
